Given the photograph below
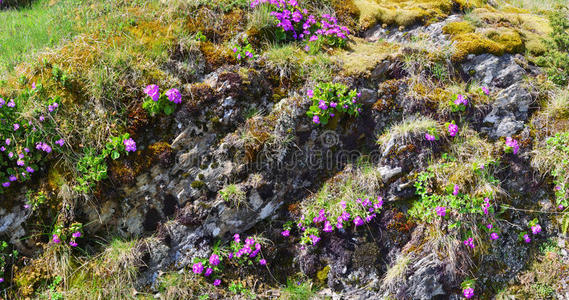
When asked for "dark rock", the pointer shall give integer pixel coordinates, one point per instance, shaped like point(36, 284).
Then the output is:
point(509, 112)
point(493, 71)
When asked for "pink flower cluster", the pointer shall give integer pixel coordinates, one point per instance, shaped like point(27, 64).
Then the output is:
point(301, 24)
point(512, 145)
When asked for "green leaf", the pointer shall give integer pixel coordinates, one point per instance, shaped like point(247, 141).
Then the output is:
point(115, 155)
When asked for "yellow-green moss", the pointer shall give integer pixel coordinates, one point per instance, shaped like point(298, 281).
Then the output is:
point(408, 12)
point(473, 43)
point(455, 28)
point(362, 57)
point(322, 275)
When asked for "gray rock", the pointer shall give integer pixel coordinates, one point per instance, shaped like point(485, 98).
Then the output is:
point(493, 71)
point(369, 97)
point(387, 173)
point(509, 112)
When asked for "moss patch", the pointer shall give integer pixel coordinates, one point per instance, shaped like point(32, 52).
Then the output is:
point(361, 57)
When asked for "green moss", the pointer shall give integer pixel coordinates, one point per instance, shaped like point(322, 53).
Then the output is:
point(362, 57)
point(473, 43)
point(197, 184)
point(455, 28)
point(322, 275)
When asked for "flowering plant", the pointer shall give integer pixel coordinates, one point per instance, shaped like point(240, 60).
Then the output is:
point(511, 146)
point(458, 103)
point(26, 141)
point(452, 128)
point(332, 100)
point(432, 135)
point(468, 288)
point(296, 23)
point(157, 102)
point(64, 235)
point(244, 51)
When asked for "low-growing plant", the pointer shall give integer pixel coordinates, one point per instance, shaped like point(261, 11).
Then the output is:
point(556, 59)
point(332, 100)
point(67, 234)
point(233, 194)
point(243, 51)
point(35, 200)
point(552, 157)
point(157, 102)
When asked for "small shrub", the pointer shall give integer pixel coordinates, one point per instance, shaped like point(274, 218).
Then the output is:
point(332, 100)
point(556, 59)
point(552, 157)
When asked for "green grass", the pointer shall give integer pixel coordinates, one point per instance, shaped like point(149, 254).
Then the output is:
point(24, 31)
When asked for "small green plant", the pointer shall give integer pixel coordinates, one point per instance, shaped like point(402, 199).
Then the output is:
point(200, 37)
point(233, 194)
point(92, 167)
point(35, 200)
point(157, 102)
point(238, 289)
point(61, 77)
point(243, 51)
point(553, 157)
point(556, 60)
point(297, 290)
point(54, 295)
point(332, 100)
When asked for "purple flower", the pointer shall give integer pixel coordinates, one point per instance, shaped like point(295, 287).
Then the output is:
point(560, 206)
point(11, 103)
point(526, 238)
point(460, 99)
point(285, 233)
point(55, 239)
point(322, 105)
point(174, 96)
point(236, 238)
point(441, 211)
point(12, 178)
point(452, 129)
point(429, 137)
point(485, 90)
point(489, 226)
point(328, 227)
point(6, 184)
point(262, 262)
point(76, 234)
point(16, 126)
point(314, 239)
point(26, 150)
point(494, 236)
point(208, 272)
point(8, 142)
point(455, 190)
point(33, 84)
point(468, 293)
point(217, 282)
point(20, 163)
point(26, 206)
point(197, 268)
point(73, 244)
point(130, 145)
point(535, 229)
point(214, 260)
point(60, 142)
point(310, 93)
point(316, 120)
point(469, 242)
point(358, 221)
point(42, 118)
point(153, 91)
point(512, 145)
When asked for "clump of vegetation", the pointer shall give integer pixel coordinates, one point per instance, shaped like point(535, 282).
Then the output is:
point(157, 102)
point(233, 194)
point(332, 101)
point(552, 157)
point(556, 59)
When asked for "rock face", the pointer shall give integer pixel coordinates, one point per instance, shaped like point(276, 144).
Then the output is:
point(509, 112)
point(493, 71)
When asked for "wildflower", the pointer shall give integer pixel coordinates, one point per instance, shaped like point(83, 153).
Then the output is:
point(512, 145)
point(249, 241)
point(345, 216)
point(197, 268)
point(20, 163)
point(536, 229)
point(33, 86)
point(73, 244)
point(262, 262)
point(235, 50)
point(26, 150)
point(239, 56)
point(358, 221)
point(6, 184)
point(60, 142)
point(343, 204)
point(316, 120)
point(469, 242)
point(460, 99)
point(76, 234)
point(11, 103)
point(370, 218)
point(468, 292)
point(174, 96)
point(16, 126)
point(310, 93)
point(322, 105)
point(230, 256)
point(55, 239)
point(485, 90)
point(8, 142)
point(526, 238)
point(494, 236)
point(441, 211)
point(153, 91)
point(285, 233)
point(429, 137)
point(217, 282)
point(130, 145)
point(214, 260)
point(489, 226)
point(236, 238)
point(26, 206)
point(455, 190)
point(307, 48)
point(379, 203)
point(452, 129)
point(560, 206)
point(12, 178)
point(42, 118)
point(328, 227)
point(208, 272)
point(333, 104)
point(314, 239)
point(2, 149)
point(339, 225)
